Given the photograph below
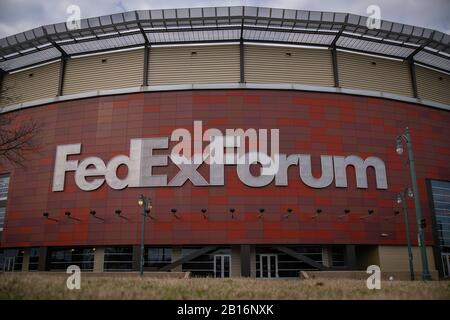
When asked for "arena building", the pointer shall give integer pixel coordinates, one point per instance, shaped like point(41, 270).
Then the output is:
point(109, 95)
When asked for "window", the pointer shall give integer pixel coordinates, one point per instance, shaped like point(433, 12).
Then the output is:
point(4, 185)
point(34, 259)
point(118, 258)
point(11, 260)
point(157, 257)
point(62, 258)
point(338, 256)
point(203, 265)
point(286, 266)
point(441, 200)
point(440, 194)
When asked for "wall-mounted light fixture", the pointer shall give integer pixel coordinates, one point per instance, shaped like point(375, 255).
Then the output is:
point(289, 212)
point(232, 210)
point(346, 212)
point(47, 216)
point(318, 211)
point(69, 216)
point(174, 212)
point(93, 214)
point(369, 213)
point(261, 213)
point(119, 214)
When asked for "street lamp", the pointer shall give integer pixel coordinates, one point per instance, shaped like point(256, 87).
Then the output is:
point(415, 190)
point(401, 199)
point(146, 204)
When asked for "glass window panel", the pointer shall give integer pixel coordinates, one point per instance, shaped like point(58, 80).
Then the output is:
point(4, 185)
point(441, 201)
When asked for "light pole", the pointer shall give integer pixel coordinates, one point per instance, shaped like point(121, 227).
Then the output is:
point(401, 198)
point(146, 204)
point(421, 234)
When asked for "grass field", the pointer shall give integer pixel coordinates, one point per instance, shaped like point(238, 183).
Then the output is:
point(54, 287)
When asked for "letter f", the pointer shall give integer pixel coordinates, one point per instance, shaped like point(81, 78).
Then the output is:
point(62, 165)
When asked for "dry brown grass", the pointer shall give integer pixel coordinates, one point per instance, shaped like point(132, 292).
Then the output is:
point(35, 286)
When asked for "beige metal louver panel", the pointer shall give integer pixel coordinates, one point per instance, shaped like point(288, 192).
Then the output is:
point(364, 72)
point(194, 64)
point(102, 72)
point(270, 64)
point(433, 85)
point(32, 84)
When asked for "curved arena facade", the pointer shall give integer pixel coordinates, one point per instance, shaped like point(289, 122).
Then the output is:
point(113, 98)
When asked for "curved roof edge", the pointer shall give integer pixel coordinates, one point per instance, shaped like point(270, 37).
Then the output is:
point(216, 24)
point(224, 86)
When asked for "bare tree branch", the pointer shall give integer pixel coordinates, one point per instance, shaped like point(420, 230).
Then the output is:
point(17, 137)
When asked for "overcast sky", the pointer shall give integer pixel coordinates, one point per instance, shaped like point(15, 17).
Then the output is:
point(20, 15)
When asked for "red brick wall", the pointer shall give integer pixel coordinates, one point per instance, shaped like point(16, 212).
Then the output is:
point(312, 123)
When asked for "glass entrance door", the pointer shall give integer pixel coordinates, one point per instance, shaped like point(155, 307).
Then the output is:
point(446, 264)
point(222, 263)
point(8, 264)
point(269, 265)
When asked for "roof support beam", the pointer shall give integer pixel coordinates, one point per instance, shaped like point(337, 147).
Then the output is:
point(241, 62)
point(61, 50)
point(241, 55)
point(335, 66)
point(412, 73)
point(62, 75)
point(146, 64)
point(2, 76)
point(411, 56)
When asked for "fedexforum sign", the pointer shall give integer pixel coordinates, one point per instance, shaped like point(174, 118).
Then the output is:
point(228, 149)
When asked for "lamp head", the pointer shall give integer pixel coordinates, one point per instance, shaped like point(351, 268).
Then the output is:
point(410, 192)
point(141, 200)
point(399, 198)
point(399, 148)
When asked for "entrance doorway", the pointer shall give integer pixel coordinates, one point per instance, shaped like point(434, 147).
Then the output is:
point(269, 265)
point(222, 264)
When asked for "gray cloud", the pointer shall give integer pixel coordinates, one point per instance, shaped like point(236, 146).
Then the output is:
point(20, 15)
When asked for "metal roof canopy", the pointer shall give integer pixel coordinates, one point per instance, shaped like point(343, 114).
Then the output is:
point(222, 24)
